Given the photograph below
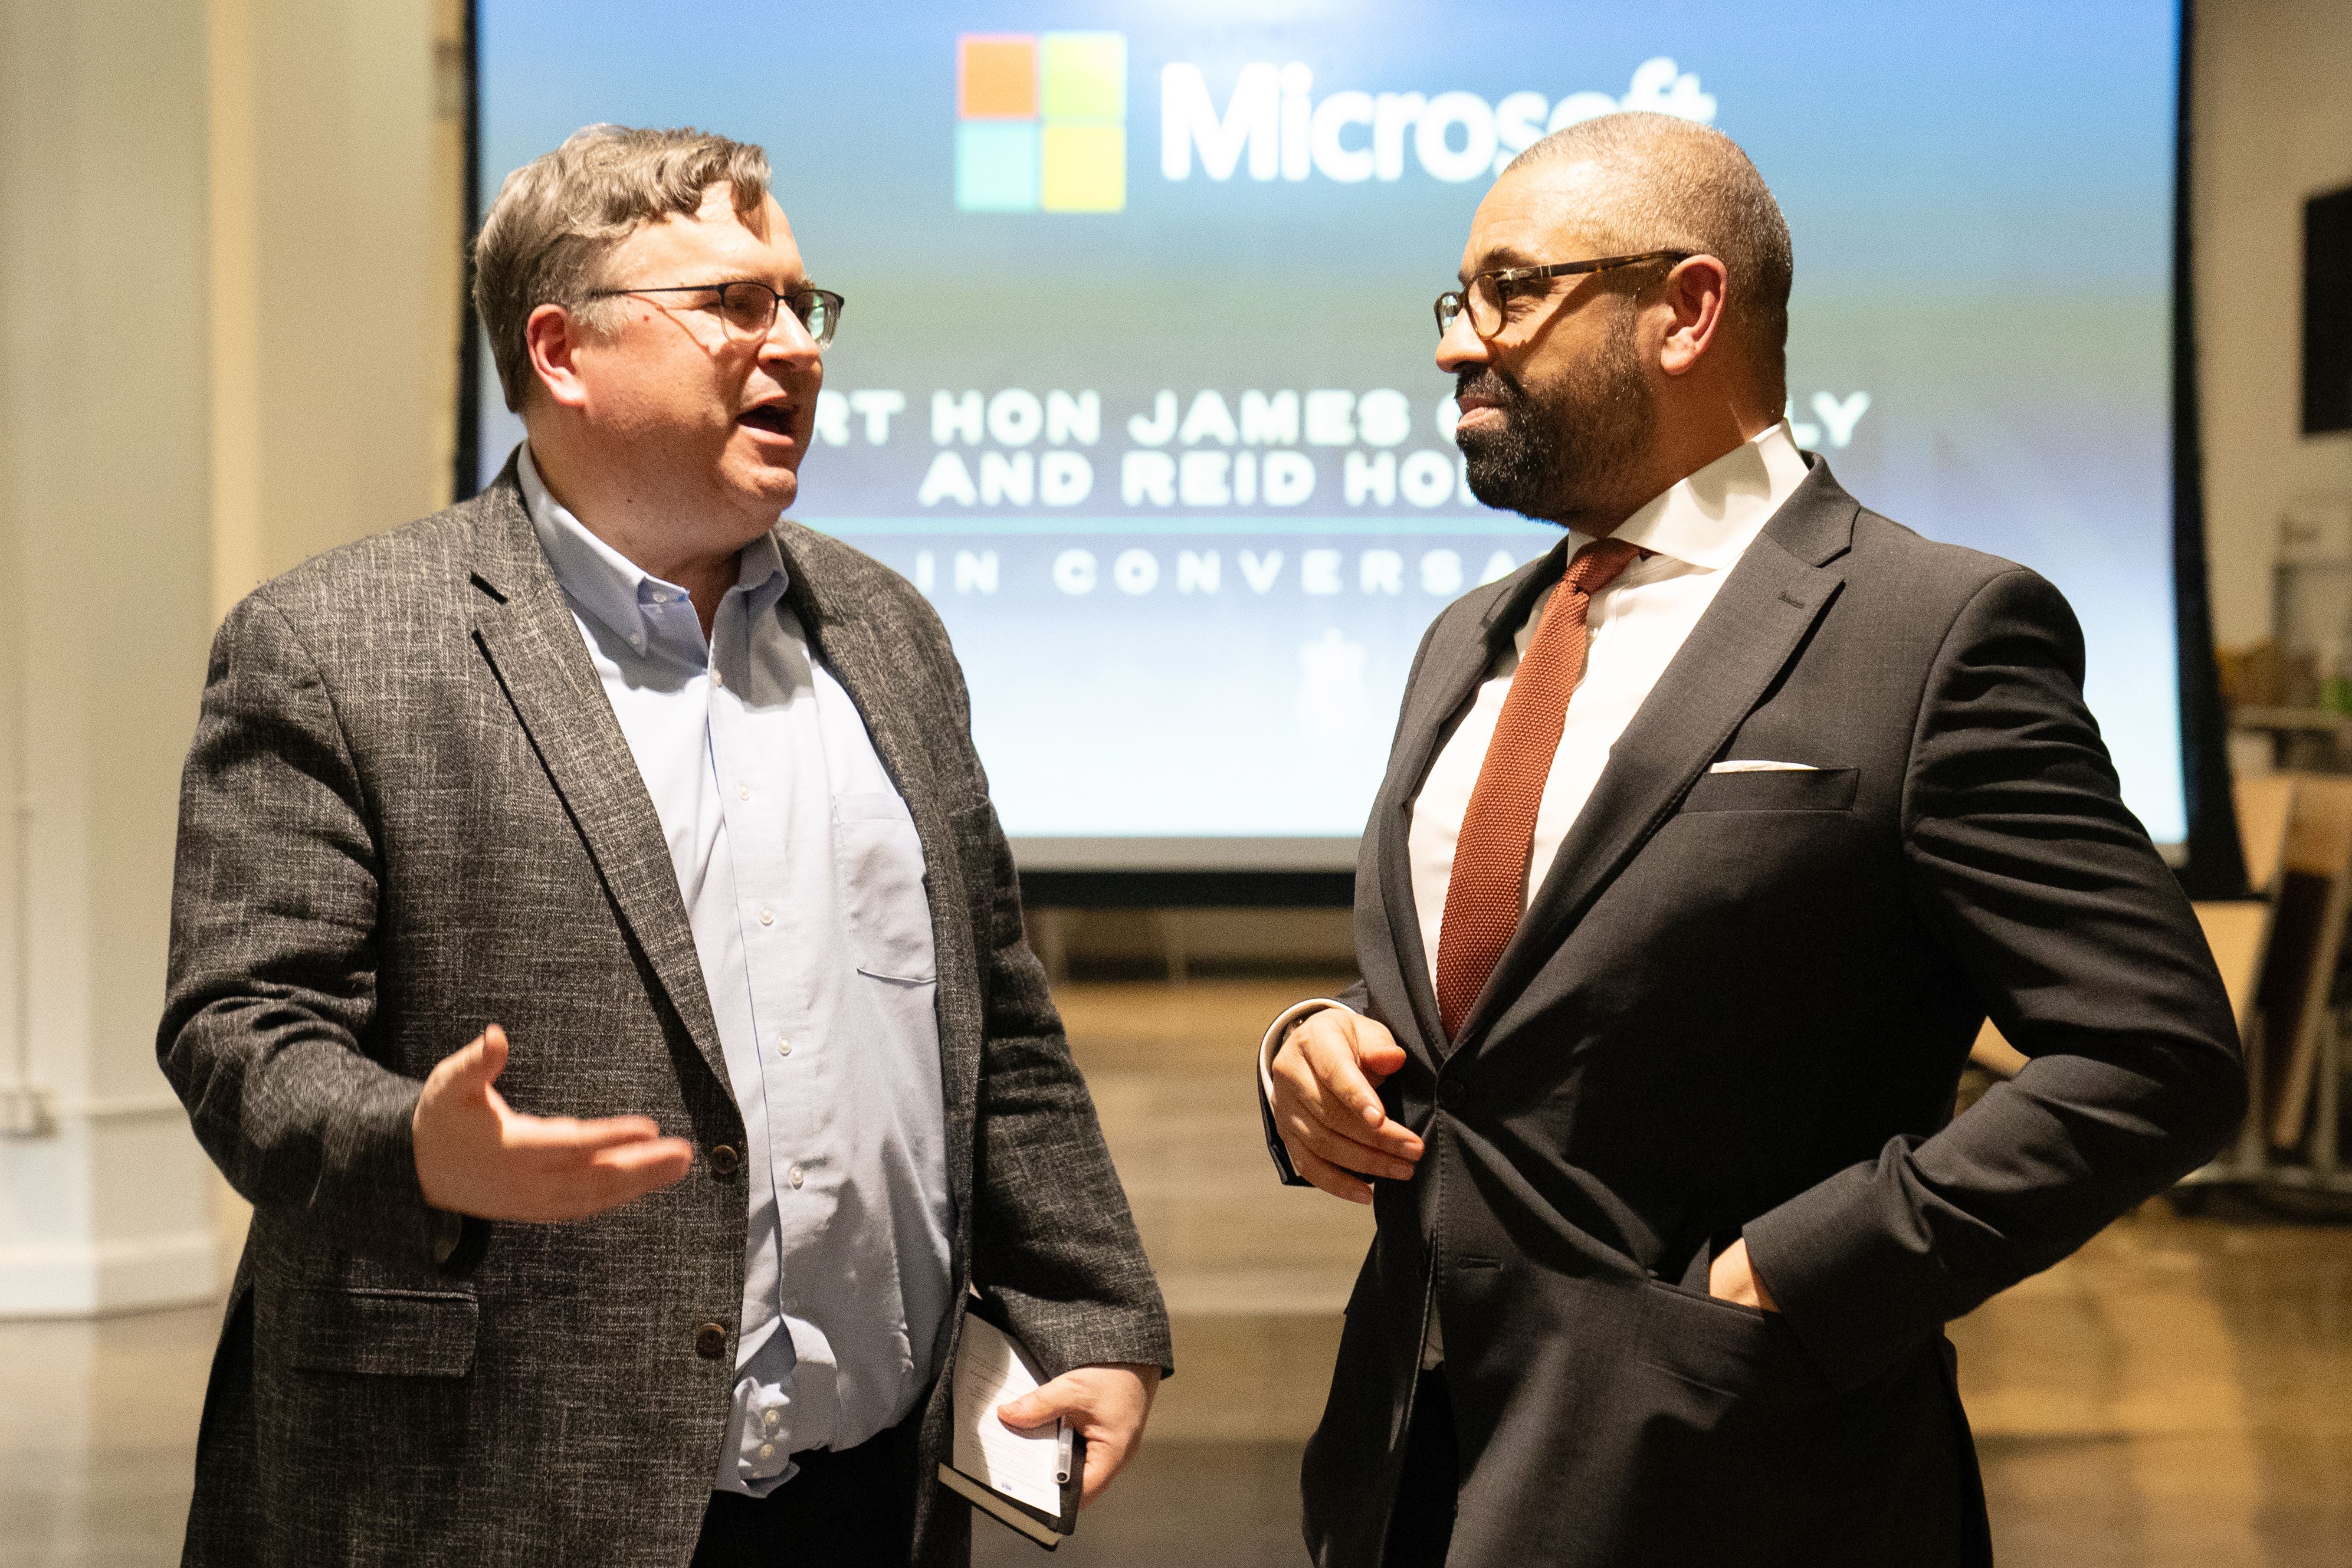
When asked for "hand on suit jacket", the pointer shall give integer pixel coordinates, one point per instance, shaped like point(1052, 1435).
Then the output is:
point(475, 1155)
point(1107, 1404)
point(1325, 1108)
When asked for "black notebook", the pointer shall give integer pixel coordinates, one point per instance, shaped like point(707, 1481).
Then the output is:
point(1030, 1483)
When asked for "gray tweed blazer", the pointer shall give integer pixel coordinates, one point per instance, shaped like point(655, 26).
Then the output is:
point(409, 813)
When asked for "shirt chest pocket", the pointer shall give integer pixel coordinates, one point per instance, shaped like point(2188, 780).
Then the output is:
point(879, 862)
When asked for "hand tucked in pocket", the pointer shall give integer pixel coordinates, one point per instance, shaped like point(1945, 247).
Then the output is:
point(1729, 1278)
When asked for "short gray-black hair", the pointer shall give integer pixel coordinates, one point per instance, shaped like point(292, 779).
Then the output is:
point(560, 214)
point(1680, 186)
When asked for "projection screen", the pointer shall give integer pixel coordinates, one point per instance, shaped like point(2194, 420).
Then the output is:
point(1134, 378)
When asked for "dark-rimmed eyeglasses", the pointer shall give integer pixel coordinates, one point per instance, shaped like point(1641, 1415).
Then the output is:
point(1485, 295)
point(749, 306)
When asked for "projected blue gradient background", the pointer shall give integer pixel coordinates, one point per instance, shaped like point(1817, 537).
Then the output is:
point(1165, 639)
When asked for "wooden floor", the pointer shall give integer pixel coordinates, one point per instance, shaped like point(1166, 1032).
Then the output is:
point(2178, 1396)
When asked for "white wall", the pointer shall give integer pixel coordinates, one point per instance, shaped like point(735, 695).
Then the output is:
point(2272, 124)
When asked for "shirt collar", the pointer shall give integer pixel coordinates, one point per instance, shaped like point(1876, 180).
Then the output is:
point(618, 594)
point(1709, 519)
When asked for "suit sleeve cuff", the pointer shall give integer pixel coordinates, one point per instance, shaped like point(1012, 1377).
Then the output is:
point(1267, 1047)
point(1853, 1269)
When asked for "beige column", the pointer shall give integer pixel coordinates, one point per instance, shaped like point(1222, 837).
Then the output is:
point(106, 560)
point(354, 267)
point(337, 150)
point(228, 243)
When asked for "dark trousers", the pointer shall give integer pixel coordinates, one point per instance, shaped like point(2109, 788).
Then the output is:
point(1420, 1526)
point(854, 1509)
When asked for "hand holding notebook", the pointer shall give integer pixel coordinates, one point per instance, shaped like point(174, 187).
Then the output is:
point(1031, 1452)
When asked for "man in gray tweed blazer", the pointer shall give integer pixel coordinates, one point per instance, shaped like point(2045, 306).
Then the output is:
point(665, 815)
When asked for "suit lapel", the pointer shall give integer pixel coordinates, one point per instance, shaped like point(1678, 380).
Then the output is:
point(1758, 619)
point(527, 632)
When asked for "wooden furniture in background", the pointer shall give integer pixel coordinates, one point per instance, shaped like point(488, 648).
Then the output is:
point(2311, 896)
point(2265, 805)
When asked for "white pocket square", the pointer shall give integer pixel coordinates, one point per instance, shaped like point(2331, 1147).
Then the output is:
point(1763, 767)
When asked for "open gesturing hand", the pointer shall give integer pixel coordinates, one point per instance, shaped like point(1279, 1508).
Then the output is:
point(477, 1155)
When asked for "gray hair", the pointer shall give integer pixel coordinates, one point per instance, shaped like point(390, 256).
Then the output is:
point(559, 216)
point(1675, 184)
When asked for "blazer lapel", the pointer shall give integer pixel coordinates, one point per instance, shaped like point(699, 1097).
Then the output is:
point(526, 631)
point(1758, 619)
point(1460, 653)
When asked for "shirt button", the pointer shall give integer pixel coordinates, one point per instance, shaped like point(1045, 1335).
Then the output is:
point(724, 1161)
point(794, 1176)
point(710, 1341)
point(784, 1046)
point(767, 917)
point(717, 679)
point(742, 792)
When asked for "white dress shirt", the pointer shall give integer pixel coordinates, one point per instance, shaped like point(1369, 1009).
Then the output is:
point(803, 882)
point(1696, 530)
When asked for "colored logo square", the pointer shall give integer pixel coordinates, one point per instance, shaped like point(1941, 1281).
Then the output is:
point(996, 166)
point(1084, 75)
point(1084, 169)
point(996, 77)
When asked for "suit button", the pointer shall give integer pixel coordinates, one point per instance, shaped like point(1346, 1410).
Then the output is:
point(710, 1341)
point(724, 1161)
point(1452, 1094)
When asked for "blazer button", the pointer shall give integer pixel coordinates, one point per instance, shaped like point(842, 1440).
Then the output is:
point(710, 1341)
point(1452, 1094)
point(724, 1161)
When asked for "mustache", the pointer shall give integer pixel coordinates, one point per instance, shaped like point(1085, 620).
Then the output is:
point(1490, 382)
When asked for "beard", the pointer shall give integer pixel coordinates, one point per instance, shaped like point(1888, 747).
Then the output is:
point(1566, 447)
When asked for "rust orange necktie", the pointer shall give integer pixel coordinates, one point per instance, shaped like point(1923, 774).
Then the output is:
point(1488, 890)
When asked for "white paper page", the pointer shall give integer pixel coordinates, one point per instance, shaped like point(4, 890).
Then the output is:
point(990, 1371)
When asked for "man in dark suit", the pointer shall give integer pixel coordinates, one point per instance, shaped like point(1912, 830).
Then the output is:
point(671, 810)
point(1707, 843)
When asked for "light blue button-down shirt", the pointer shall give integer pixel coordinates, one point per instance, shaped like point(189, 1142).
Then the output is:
point(804, 883)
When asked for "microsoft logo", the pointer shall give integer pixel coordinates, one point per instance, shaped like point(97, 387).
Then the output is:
point(1041, 123)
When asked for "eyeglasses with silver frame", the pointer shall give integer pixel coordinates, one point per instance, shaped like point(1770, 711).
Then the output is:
point(749, 306)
